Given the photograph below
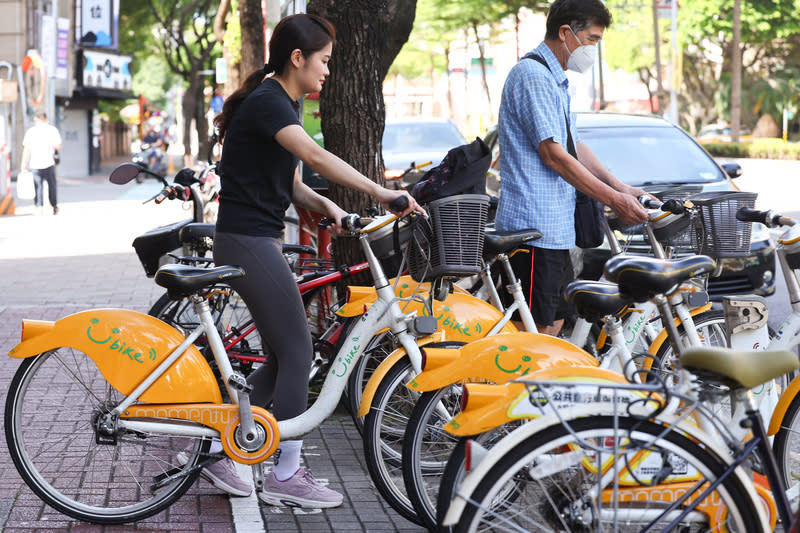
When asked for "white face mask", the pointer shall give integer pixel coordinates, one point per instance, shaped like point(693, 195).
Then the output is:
point(582, 58)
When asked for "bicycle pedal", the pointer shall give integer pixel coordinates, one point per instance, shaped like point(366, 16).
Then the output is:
point(238, 382)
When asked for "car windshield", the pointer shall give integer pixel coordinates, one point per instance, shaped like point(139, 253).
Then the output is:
point(643, 155)
point(421, 136)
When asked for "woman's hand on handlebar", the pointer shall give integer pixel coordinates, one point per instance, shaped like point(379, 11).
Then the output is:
point(390, 200)
point(333, 218)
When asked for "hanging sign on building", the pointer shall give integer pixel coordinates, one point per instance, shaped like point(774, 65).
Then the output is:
point(106, 70)
point(98, 23)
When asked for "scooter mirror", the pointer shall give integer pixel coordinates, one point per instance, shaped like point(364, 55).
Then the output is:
point(124, 173)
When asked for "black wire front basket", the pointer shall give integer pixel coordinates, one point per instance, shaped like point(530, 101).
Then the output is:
point(719, 234)
point(448, 244)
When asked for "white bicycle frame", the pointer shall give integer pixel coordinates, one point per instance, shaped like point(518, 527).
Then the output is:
point(384, 313)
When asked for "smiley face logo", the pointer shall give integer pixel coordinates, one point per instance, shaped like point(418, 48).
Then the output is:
point(507, 367)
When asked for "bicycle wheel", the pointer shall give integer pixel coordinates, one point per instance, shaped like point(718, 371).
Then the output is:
point(710, 326)
point(52, 403)
point(786, 445)
point(427, 447)
point(377, 350)
point(549, 482)
point(233, 321)
point(384, 428)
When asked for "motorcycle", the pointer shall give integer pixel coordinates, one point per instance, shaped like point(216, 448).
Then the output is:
point(143, 160)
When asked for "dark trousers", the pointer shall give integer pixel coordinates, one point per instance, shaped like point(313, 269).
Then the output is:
point(39, 176)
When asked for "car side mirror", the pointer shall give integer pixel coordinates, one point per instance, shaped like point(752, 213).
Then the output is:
point(734, 170)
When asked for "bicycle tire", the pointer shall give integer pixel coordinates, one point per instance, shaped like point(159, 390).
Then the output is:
point(711, 328)
point(230, 315)
point(560, 498)
point(384, 429)
point(377, 350)
point(426, 449)
point(51, 403)
point(786, 445)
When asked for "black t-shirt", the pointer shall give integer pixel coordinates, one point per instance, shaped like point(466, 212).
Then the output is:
point(257, 173)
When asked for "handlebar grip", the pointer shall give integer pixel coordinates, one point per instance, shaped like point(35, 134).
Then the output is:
point(649, 203)
point(673, 206)
point(748, 214)
point(399, 204)
point(325, 222)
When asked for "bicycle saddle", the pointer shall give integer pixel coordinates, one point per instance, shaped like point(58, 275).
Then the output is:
point(594, 300)
point(641, 278)
point(738, 368)
point(196, 230)
point(184, 280)
point(499, 243)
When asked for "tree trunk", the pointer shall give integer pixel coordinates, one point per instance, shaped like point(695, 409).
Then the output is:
point(351, 103)
point(201, 123)
point(231, 65)
point(482, 54)
point(189, 112)
point(400, 17)
point(449, 82)
point(659, 83)
point(252, 23)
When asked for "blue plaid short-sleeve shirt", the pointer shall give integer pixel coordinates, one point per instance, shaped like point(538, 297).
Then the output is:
point(533, 195)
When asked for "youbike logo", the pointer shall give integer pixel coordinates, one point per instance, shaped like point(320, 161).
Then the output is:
point(634, 329)
point(118, 345)
point(447, 320)
point(346, 360)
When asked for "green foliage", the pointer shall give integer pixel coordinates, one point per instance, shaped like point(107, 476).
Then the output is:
point(628, 44)
point(762, 21)
point(153, 80)
point(233, 33)
point(758, 149)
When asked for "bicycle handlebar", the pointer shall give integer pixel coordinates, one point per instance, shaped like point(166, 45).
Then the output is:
point(769, 218)
point(399, 204)
point(672, 205)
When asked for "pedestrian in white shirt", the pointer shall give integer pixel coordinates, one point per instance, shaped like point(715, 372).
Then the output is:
point(38, 149)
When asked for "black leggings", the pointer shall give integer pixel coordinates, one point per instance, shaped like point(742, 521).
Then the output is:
point(40, 176)
point(270, 292)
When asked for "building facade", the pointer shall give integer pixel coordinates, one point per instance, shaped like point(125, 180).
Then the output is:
point(61, 56)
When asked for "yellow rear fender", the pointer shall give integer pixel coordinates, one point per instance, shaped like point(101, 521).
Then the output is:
point(500, 404)
point(383, 368)
point(500, 358)
point(785, 400)
point(126, 346)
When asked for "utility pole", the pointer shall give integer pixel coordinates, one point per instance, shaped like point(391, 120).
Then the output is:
point(736, 74)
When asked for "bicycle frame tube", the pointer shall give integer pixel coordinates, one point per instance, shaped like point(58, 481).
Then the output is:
point(384, 313)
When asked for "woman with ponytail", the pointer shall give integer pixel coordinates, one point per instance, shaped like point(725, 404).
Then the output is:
point(262, 141)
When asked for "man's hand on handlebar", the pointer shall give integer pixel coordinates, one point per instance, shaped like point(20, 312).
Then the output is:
point(628, 209)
